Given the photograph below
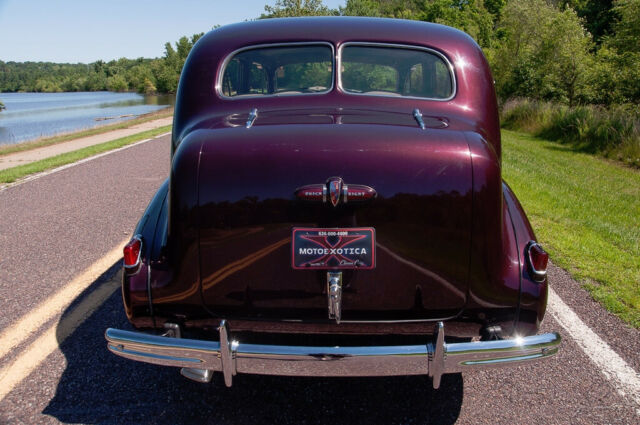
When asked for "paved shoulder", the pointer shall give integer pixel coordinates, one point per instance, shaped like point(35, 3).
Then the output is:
point(26, 157)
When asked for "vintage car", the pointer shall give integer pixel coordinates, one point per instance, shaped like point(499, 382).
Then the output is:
point(335, 207)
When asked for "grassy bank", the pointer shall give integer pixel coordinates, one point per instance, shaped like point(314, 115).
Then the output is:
point(612, 132)
point(586, 212)
point(21, 147)
point(12, 174)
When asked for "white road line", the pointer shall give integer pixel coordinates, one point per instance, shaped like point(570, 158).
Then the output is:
point(73, 164)
point(625, 380)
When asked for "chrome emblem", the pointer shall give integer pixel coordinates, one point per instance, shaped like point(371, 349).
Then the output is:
point(335, 189)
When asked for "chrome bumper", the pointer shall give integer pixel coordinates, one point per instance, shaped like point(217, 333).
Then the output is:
point(228, 356)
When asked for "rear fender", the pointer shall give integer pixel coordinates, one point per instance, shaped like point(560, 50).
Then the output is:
point(533, 295)
point(135, 286)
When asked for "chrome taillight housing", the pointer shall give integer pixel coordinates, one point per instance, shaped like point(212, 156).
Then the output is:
point(132, 252)
point(537, 260)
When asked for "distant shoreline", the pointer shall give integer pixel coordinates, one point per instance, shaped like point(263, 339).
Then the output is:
point(26, 145)
point(35, 116)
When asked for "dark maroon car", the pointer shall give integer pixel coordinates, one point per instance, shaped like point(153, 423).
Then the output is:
point(335, 208)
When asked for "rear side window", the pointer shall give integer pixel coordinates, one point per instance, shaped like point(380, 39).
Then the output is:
point(278, 70)
point(395, 71)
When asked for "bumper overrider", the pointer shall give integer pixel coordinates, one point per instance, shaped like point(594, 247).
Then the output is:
point(199, 358)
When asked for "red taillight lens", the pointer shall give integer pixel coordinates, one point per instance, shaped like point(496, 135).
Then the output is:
point(132, 252)
point(537, 259)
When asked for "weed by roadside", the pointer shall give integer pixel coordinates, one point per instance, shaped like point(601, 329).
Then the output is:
point(612, 132)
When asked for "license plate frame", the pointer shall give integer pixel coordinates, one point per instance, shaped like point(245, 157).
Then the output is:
point(314, 248)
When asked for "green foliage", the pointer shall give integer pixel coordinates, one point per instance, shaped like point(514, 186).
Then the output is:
point(469, 16)
point(544, 54)
point(117, 83)
point(612, 132)
point(620, 56)
point(597, 15)
point(290, 8)
point(361, 8)
point(141, 75)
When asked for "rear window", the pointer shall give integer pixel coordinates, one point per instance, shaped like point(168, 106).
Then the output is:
point(279, 70)
point(395, 71)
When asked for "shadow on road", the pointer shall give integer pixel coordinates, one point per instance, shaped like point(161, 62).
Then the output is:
point(98, 387)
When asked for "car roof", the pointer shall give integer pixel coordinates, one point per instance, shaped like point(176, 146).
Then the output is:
point(337, 30)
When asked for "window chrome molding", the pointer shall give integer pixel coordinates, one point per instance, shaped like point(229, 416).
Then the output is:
point(454, 87)
point(227, 59)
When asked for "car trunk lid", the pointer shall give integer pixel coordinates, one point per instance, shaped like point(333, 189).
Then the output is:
point(421, 216)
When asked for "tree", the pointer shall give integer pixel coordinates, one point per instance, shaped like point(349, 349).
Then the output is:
point(597, 15)
point(361, 8)
point(544, 54)
point(470, 16)
point(402, 9)
point(621, 50)
point(117, 83)
point(566, 55)
point(290, 8)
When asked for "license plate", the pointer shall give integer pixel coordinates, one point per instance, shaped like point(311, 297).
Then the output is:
point(351, 248)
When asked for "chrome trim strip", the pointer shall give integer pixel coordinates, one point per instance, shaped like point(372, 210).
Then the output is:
point(253, 114)
point(334, 295)
point(418, 116)
point(218, 82)
point(454, 86)
point(433, 358)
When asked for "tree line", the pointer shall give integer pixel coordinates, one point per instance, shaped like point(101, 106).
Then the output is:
point(141, 75)
point(564, 51)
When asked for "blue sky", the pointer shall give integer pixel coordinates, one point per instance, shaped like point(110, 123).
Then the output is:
point(87, 30)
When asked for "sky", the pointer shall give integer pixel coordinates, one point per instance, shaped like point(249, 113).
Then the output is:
point(72, 31)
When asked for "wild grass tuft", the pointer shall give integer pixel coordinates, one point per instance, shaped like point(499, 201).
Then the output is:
point(610, 132)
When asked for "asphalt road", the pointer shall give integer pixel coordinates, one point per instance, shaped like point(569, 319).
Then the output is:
point(54, 227)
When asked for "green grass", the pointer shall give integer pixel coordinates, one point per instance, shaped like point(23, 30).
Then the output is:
point(12, 174)
point(586, 212)
point(21, 147)
point(612, 132)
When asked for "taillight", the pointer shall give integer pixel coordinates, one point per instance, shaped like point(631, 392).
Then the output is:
point(132, 252)
point(537, 259)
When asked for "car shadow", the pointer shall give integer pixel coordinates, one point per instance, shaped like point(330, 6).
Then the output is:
point(99, 387)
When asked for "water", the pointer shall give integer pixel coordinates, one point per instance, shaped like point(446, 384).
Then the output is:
point(30, 116)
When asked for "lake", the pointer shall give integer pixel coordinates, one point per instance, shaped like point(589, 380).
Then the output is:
point(30, 116)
